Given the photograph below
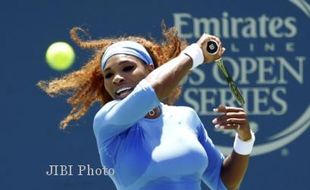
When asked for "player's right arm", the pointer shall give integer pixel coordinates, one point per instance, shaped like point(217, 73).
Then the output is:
point(168, 76)
point(118, 115)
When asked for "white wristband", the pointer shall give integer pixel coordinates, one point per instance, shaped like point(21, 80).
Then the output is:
point(244, 147)
point(195, 52)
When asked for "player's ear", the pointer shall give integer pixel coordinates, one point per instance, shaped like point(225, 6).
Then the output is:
point(150, 68)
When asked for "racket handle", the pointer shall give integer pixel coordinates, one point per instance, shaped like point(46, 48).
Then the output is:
point(212, 47)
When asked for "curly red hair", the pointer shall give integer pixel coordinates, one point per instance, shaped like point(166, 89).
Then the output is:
point(86, 85)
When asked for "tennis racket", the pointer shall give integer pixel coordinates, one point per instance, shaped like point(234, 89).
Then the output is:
point(212, 48)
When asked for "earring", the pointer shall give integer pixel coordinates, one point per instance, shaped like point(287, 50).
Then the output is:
point(152, 113)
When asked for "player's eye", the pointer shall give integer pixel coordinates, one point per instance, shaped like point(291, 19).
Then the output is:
point(128, 68)
point(108, 75)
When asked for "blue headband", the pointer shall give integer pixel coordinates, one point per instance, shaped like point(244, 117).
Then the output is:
point(128, 48)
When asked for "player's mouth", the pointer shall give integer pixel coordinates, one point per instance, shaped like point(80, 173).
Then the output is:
point(123, 92)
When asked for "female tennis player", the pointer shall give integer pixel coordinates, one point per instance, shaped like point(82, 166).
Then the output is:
point(150, 144)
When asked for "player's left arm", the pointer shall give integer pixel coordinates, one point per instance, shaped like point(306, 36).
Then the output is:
point(235, 165)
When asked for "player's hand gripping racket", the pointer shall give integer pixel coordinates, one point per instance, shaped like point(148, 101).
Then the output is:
point(212, 48)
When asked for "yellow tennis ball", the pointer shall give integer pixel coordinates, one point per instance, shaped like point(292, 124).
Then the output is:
point(60, 56)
